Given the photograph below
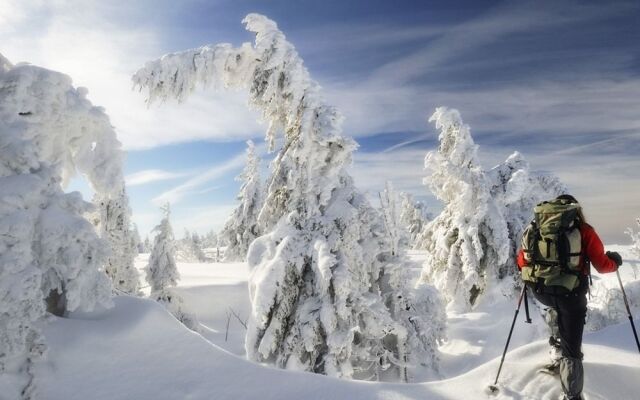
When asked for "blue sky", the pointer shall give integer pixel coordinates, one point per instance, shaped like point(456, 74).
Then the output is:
point(558, 81)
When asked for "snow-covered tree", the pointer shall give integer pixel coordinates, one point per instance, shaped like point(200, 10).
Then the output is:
point(196, 243)
point(502, 202)
point(5, 65)
point(113, 222)
point(210, 239)
point(413, 217)
point(422, 313)
point(517, 190)
point(391, 213)
point(211, 244)
point(162, 272)
point(242, 226)
point(146, 245)
point(606, 303)
point(470, 237)
point(635, 239)
point(136, 241)
point(50, 255)
point(317, 274)
point(190, 248)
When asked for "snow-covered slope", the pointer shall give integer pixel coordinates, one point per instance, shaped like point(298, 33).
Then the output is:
point(137, 350)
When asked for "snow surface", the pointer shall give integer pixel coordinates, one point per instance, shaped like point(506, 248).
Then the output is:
point(137, 350)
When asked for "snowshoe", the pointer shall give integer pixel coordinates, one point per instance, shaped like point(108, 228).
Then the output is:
point(565, 397)
point(552, 368)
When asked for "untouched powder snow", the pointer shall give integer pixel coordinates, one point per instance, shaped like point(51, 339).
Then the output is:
point(137, 350)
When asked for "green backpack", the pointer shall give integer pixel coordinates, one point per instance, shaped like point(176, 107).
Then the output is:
point(552, 245)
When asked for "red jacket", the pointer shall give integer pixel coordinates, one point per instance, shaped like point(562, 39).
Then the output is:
point(591, 246)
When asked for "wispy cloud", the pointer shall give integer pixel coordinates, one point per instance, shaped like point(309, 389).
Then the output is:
point(100, 45)
point(495, 24)
point(478, 67)
point(363, 37)
point(152, 175)
point(195, 183)
point(417, 139)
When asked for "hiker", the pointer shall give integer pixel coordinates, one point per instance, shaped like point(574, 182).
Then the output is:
point(557, 249)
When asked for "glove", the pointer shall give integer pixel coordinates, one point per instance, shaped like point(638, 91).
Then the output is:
point(615, 256)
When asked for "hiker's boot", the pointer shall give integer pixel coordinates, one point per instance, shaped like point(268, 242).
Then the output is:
point(553, 368)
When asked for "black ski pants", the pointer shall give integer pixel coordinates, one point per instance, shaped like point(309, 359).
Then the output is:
point(571, 308)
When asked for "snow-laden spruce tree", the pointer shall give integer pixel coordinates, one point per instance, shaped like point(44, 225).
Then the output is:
point(197, 247)
point(211, 243)
point(50, 255)
point(391, 214)
point(635, 239)
point(162, 272)
point(114, 224)
point(517, 190)
point(136, 241)
point(242, 226)
point(190, 248)
point(146, 245)
point(210, 240)
point(606, 302)
point(422, 313)
point(413, 217)
point(606, 305)
point(469, 238)
point(316, 281)
point(5, 65)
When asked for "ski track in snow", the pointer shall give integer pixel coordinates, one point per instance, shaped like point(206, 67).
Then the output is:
point(137, 350)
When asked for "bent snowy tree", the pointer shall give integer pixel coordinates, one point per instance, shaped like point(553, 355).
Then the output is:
point(320, 275)
point(472, 244)
point(469, 238)
point(50, 254)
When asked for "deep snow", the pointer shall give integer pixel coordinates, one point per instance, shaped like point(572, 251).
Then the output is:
point(137, 350)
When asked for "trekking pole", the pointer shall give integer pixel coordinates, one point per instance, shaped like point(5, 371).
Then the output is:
point(626, 303)
point(526, 309)
point(493, 387)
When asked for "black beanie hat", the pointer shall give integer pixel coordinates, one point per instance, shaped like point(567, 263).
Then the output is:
point(567, 197)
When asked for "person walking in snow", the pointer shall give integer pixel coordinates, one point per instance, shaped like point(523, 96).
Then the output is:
point(557, 249)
